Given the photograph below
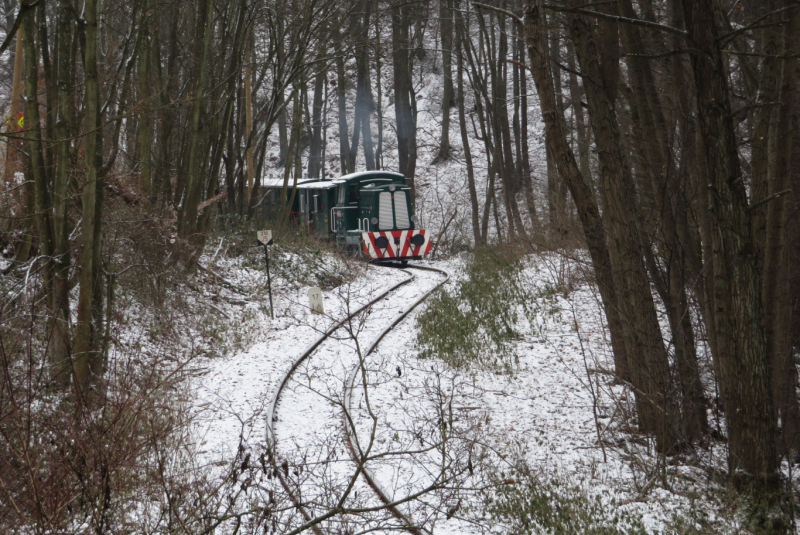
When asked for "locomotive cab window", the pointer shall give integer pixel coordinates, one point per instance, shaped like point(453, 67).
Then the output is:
point(401, 210)
point(385, 217)
point(352, 194)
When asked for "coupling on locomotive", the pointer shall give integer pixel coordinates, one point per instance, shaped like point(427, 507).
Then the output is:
point(369, 211)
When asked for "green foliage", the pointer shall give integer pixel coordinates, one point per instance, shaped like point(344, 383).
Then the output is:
point(530, 504)
point(312, 264)
point(475, 323)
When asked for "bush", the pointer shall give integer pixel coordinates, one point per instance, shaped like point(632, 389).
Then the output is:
point(475, 323)
point(529, 503)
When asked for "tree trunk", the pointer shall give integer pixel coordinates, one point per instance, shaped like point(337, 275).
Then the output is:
point(588, 211)
point(404, 111)
point(446, 29)
point(162, 183)
point(526, 175)
point(58, 356)
point(379, 88)
point(736, 284)
point(650, 374)
point(191, 197)
point(347, 166)
point(86, 337)
point(315, 151)
point(651, 143)
point(248, 124)
point(16, 103)
point(776, 288)
point(32, 124)
point(556, 195)
point(145, 127)
point(576, 96)
point(462, 121)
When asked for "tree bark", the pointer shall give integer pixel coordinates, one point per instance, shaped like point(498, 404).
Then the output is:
point(736, 284)
point(588, 211)
point(556, 194)
point(347, 166)
point(763, 120)
point(86, 337)
point(248, 124)
point(315, 152)
point(462, 122)
point(162, 183)
point(650, 374)
point(405, 118)
point(776, 287)
point(650, 141)
point(364, 104)
point(187, 214)
point(58, 356)
point(145, 136)
point(446, 30)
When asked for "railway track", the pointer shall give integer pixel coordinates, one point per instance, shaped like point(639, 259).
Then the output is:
point(313, 380)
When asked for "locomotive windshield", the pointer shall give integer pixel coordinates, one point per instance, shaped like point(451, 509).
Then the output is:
point(401, 210)
point(393, 211)
point(385, 211)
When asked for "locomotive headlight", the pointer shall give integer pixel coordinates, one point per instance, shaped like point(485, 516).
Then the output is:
point(374, 220)
point(391, 187)
point(414, 219)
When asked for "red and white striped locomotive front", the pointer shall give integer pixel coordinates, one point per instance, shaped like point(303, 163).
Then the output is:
point(396, 244)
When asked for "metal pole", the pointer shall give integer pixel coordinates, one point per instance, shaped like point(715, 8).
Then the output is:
point(269, 282)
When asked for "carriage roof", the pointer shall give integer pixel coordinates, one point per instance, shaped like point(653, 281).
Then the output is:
point(375, 177)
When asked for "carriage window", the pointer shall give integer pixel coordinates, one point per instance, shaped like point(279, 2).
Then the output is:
point(385, 219)
point(401, 210)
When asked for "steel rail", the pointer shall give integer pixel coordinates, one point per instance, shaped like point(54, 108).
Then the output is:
point(349, 422)
point(271, 415)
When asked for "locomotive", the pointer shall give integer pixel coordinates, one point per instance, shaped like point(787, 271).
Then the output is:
point(368, 211)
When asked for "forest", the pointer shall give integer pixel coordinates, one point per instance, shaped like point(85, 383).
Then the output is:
point(650, 144)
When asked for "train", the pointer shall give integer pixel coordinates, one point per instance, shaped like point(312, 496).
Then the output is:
point(369, 212)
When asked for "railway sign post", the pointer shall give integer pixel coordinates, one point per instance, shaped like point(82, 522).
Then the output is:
point(265, 238)
point(315, 300)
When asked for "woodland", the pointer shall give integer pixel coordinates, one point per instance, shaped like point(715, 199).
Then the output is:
point(657, 140)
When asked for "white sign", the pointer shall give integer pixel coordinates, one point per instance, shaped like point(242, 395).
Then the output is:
point(315, 300)
point(264, 237)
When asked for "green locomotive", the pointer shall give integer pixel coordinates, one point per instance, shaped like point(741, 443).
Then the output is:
point(368, 211)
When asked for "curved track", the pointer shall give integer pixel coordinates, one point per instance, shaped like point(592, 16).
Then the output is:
point(326, 344)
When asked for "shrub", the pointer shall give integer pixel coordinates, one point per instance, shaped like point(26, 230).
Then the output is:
point(475, 323)
point(529, 503)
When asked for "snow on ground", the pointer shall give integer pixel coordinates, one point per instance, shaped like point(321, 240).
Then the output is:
point(544, 411)
point(234, 390)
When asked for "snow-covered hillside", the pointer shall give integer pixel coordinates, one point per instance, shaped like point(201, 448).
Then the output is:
point(554, 421)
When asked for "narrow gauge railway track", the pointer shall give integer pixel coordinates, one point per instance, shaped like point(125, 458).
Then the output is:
point(349, 431)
